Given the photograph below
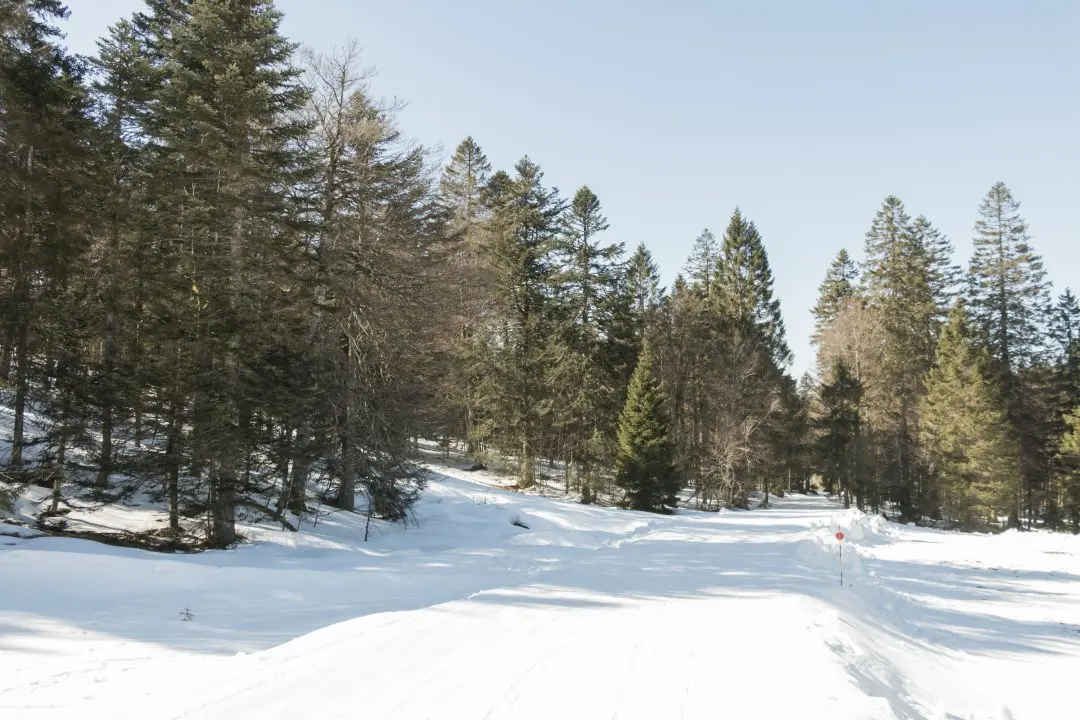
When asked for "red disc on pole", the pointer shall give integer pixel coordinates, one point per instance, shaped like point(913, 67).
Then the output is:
point(839, 534)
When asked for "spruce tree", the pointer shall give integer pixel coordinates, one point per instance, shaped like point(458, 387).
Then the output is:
point(226, 123)
point(972, 448)
point(120, 259)
point(701, 265)
point(466, 267)
point(588, 268)
point(44, 168)
point(903, 278)
point(839, 431)
point(1007, 286)
point(643, 284)
point(1067, 464)
point(524, 225)
point(744, 283)
point(461, 188)
point(633, 308)
point(934, 252)
point(839, 285)
point(1064, 334)
point(645, 461)
point(1008, 296)
point(586, 376)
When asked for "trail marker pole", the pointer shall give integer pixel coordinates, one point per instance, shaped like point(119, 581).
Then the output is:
point(840, 539)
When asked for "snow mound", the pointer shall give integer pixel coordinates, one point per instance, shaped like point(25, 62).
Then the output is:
point(857, 526)
point(18, 531)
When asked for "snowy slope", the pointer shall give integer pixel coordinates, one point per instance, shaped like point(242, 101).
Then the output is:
point(588, 613)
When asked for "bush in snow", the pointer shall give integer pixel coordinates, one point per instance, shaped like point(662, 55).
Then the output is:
point(7, 501)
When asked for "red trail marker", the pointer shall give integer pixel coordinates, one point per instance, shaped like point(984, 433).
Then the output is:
point(840, 537)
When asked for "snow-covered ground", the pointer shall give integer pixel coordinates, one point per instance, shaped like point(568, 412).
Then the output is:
point(588, 613)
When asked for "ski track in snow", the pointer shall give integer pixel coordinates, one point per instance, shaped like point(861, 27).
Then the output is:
point(589, 613)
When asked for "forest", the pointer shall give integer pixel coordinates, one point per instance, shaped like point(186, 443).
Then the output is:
point(231, 285)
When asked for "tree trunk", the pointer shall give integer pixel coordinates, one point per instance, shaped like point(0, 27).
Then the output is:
point(21, 388)
point(172, 480)
point(346, 499)
point(105, 467)
point(300, 470)
point(223, 504)
point(58, 471)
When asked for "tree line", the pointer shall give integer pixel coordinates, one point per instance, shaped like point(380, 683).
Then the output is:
point(948, 394)
point(232, 285)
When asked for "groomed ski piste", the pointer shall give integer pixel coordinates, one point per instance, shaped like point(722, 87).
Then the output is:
point(587, 613)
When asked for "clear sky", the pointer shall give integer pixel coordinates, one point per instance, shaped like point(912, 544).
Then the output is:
point(804, 114)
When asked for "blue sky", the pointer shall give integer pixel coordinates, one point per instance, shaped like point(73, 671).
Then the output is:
point(805, 115)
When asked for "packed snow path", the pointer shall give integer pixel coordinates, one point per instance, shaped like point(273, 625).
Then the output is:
point(588, 613)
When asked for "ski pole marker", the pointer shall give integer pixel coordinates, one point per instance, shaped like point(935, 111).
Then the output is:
point(840, 535)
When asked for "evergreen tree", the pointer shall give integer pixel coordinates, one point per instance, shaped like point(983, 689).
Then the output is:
point(1064, 334)
point(839, 285)
point(745, 285)
point(120, 264)
point(1068, 469)
point(903, 280)
point(524, 225)
point(226, 127)
point(588, 268)
point(43, 234)
point(587, 375)
point(972, 447)
point(643, 284)
point(467, 271)
point(461, 188)
point(633, 308)
point(1007, 287)
point(701, 265)
point(645, 461)
point(839, 431)
point(934, 251)
point(1009, 299)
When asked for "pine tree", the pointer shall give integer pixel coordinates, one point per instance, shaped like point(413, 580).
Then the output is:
point(1067, 465)
point(588, 272)
point(226, 126)
point(461, 188)
point(934, 252)
point(633, 308)
point(43, 172)
point(524, 226)
point(1064, 334)
point(744, 283)
point(701, 265)
point(839, 285)
point(1008, 295)
point(839, 433)
point(586, 377)
point(120, 257)
point(643, 284)
point(466, 270)
point(687, 354)
point(1007, 287)
point(903, 278)
point(645, 462)
point(973, 451)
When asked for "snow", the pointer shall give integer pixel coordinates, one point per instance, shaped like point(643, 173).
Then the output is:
point(589, 613)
